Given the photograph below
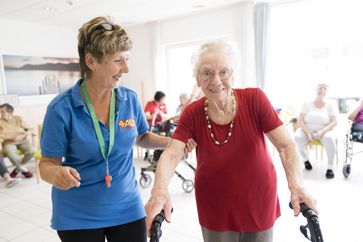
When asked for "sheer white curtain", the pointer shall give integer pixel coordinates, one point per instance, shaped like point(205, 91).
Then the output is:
point(261, 27)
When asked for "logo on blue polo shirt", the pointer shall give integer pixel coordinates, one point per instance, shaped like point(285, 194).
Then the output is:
point(128, 123)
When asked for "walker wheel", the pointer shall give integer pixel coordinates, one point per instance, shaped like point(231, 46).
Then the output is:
point(145, 180)
point(346, 170)
point(188, 186)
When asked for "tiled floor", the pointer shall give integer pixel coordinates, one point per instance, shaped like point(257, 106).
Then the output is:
point(25, 208)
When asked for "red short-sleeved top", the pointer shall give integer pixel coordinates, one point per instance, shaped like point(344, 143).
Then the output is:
point(235, 183)
point(151, 106)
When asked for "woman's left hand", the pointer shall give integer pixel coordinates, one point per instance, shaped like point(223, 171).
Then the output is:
point(300, 195)
point(189, 146)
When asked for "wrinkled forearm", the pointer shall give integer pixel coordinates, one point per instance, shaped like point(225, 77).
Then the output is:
point(290, 159)
point(291, 162)
point(167, 163)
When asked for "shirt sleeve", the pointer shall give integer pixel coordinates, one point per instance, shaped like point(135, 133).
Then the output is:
point(184, 130)
point(142, 125)
point(53, 139)
point(148, 108)
point(269, 119)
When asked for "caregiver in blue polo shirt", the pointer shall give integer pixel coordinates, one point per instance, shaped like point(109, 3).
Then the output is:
point(87, 144)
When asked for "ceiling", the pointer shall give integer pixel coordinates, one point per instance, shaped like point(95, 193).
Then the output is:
point(72, 13)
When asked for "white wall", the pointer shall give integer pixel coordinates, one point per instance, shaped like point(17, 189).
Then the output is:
point(147, 70)
point(27, 39)
point(148, 65)
point(141, 75)
point(38, 40)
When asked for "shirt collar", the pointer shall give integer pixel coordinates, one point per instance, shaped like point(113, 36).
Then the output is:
point(77, 97)
point(76, 94)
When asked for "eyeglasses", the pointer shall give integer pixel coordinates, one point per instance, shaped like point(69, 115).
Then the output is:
point(208, 75)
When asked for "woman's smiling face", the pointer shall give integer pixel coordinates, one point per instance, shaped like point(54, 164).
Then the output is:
point(110, 69)
point(215, 76)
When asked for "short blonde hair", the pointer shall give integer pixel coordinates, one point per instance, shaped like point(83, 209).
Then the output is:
point(228, 49)
point(100, 37)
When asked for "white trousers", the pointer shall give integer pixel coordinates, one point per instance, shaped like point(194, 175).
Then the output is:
point(328, 142)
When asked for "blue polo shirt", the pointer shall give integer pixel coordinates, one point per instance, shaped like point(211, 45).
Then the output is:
point(68, 133)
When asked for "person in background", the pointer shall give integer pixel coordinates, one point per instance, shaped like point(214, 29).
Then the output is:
point(156, 114)
point(356, 115)
point(87, 141)
point(183, 99)
point(195, 95)
point(4, 173)
point(235, 179)
point(317, 120)
point(156, 107)
point(186, 99)
point(14, 132)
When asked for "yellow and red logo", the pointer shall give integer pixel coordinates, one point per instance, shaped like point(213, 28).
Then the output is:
point(128, 123)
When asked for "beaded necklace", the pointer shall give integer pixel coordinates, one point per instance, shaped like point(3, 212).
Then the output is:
point(230, 126)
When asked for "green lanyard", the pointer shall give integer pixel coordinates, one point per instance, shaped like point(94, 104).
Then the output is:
point(96, 125)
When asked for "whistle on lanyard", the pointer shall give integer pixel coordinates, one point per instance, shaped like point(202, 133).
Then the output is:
point(108, 180)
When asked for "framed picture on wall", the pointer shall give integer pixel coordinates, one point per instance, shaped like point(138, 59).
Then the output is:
point(30, 75)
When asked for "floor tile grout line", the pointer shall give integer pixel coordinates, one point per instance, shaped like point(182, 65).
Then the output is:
point(26, 220)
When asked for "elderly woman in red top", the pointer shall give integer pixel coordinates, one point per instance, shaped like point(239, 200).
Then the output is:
point(156, 107)
point(235, 180)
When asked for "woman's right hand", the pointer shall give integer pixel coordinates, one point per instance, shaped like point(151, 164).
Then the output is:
point(160, 199)
point(66, 177)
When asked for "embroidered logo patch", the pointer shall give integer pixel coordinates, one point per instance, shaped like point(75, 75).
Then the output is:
point(128, 123)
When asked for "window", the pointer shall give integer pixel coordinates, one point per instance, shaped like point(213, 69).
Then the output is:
point(312, 42)
point(179, 73)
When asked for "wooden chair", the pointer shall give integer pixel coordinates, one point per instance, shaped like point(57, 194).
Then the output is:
point(318, 147)
point(37, 155)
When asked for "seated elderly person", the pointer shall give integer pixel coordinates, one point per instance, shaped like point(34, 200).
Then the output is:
point(356, 115)
point(183, 99)
point(156, 107)
point(317, 120)
point(14, 133)
point(4, 173)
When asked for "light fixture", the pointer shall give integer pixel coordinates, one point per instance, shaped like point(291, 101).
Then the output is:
point(50, 9)
point(198, 6)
